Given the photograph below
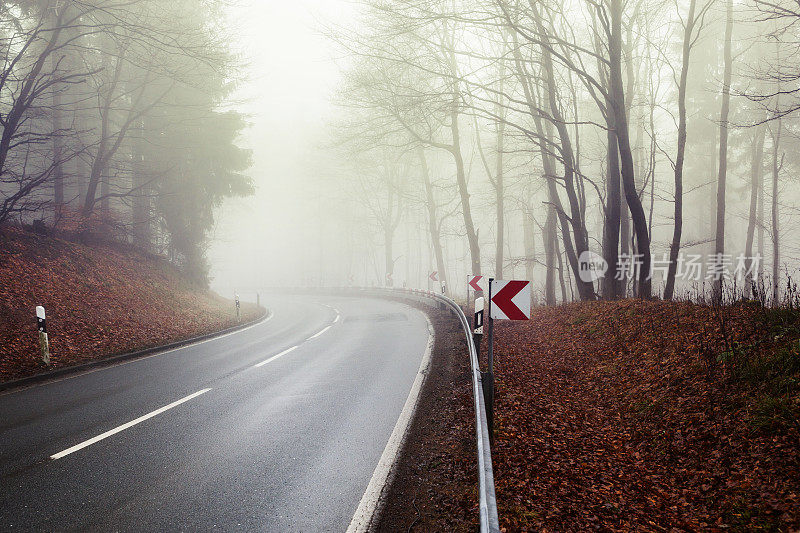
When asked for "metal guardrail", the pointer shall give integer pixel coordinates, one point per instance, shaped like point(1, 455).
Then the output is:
point(489, 521)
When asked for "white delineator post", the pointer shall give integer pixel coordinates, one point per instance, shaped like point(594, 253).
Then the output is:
point(477, 325)
point(41, 324)
point(238, 306)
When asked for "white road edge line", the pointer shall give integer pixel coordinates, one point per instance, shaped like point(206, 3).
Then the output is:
point(125, 426)
point(317, 334)
point(374, 498)
point(265, 361)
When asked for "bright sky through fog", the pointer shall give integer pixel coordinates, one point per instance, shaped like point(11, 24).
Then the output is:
point(291, 74)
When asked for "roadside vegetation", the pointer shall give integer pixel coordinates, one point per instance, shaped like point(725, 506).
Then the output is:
point(649, 415)
point(100, 300)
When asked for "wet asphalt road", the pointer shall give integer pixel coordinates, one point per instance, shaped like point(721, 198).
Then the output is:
point(277, 427)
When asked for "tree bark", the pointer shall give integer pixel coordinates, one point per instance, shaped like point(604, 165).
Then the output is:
point(756, 175)
point(626, 157)
point(433, 222)
point(677, 228)
point(500, 194)
point(581, 244)
point(611, 225)
point(776, 257)
point(142, 232)
point(529, 241)
point(472, 236)
point(719, 241)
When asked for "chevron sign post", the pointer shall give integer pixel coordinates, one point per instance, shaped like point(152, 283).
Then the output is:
point(508, 300)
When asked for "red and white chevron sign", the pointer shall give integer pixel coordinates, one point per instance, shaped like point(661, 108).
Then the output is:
point(511, 300)
point(434, 275)
point(475, 283)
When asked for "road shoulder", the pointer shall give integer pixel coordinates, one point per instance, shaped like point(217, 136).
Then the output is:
point(433, 488)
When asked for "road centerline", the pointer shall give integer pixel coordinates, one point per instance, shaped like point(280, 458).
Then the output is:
point(320, 332)
point(125, 426)
point(276, 356)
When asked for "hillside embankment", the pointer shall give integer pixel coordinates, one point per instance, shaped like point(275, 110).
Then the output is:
point(101, 300)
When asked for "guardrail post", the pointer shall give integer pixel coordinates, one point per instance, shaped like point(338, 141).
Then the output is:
point(487, 384)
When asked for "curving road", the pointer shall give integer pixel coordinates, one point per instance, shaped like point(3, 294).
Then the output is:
point(277, 427)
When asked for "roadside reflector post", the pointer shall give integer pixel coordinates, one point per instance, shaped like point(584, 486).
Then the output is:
point(477, 325)
point(41, 324)
point(258, 300)
point(238, 306)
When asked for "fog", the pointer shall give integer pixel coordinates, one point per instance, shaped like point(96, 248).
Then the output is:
point(292, 73)
point(300, 229)
point(618, 149)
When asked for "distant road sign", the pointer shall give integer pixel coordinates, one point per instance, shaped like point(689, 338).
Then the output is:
point(474, 282)
point(434, 275)
point(511, 300)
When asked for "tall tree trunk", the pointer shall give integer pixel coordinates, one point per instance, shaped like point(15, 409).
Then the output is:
point(756, 175)
point(549, 234)
point(581, 241)
point(141, 198)
point(677, 229)
point(388, 244)
point(651, 168)
point(461, 179)
point(561, 281)
point(626, 157)
point(105, 190)
point(761, 226)
point(529, 241)
point(719, 242)
point(433, 223)
point(549, 241)
point(58, 145)
point(500, 192)
point(776, 257)
point(625, 243)
point(611, 225)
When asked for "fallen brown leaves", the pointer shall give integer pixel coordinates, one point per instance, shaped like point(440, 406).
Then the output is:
point(616, 416)
point(100, 301)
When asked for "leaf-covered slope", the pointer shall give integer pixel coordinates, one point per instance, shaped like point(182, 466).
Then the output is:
point(651, 416)
point(100, 300)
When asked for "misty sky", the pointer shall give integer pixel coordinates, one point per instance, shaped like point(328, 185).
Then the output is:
point(292, 72)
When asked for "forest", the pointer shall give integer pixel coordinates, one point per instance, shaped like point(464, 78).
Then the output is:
point(113, 122)
point(602, 149)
